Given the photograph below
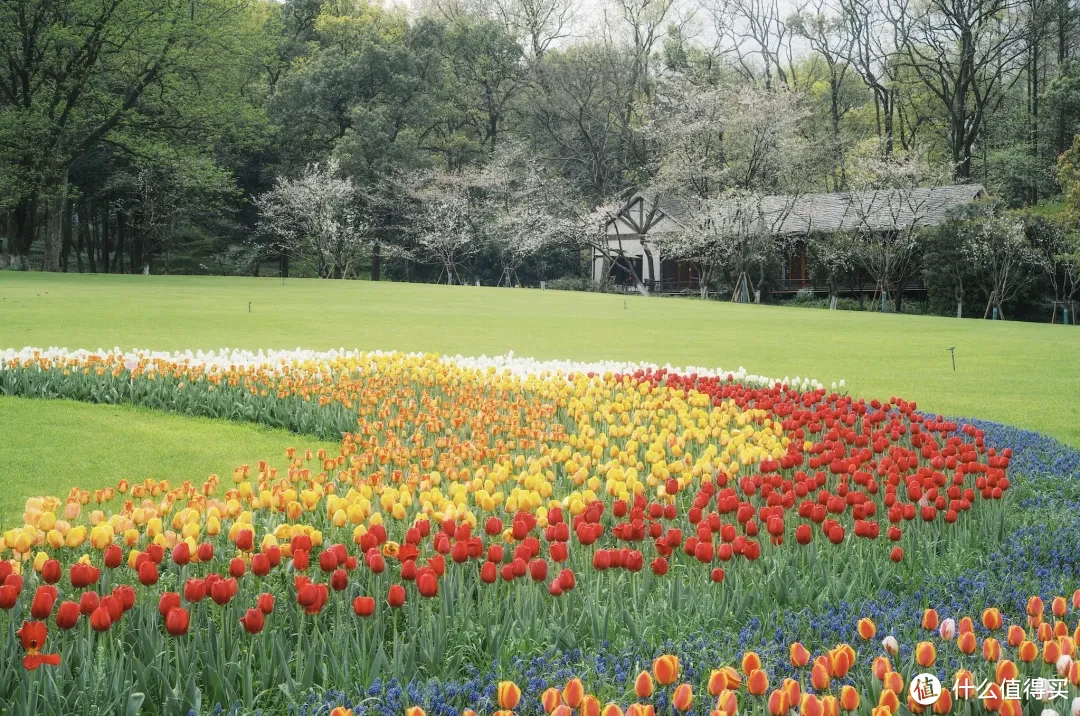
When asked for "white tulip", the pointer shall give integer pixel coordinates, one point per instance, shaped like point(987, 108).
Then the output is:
point(948, 629)
point(890, 645)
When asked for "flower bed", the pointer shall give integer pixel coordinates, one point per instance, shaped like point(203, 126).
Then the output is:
point(479, 516)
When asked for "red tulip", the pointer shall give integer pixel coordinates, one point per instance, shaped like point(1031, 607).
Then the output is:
point(114, 557)
point(266, 603)
point(88, 603)
point(364, 606)
point(67, 615)
point(125, 594)
point(538, 570)
point(83, 575)
point(181, 553)
point(42, 605)
point(194, 589)
point(168, 602)
point(33, 636)
point(253, 621)
point(205, 552)
point(51, 571)
point(427, 584)
point(237, 567)
point(177, 621)
point(100, 620)
point(396, 596)
point(148, 573)
point(260, 565)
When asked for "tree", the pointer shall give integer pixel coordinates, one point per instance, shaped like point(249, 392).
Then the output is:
point(314, 219)
point(889, 207)
point(77, 73)
point(519, 208)
point(997, 249)
point(963, 51)
point(444, 222)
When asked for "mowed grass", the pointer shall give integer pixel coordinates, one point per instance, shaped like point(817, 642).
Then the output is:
point(1020, 373)
point(51, 446)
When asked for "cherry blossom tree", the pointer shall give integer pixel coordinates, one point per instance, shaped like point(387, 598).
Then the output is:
point(314, 218)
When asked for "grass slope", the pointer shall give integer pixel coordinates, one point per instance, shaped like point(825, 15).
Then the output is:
point(49, 446)
point(1019, 373)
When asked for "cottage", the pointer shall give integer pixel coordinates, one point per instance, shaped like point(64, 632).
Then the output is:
point(631, 236)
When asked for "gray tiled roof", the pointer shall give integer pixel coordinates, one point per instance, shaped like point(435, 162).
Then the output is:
point(884, 210)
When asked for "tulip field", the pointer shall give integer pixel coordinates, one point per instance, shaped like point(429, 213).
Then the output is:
point(504, 535)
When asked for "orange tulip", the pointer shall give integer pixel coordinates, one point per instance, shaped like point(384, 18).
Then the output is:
point(944, 703)
point(881, 711)
point(611, 710)
point(849, 698)
point(643, 685)
point(1068, 646)
point(640, 710)
point(991, 697)
point(414, 711)
point(1027, 651)
point(894, 681)
point(1011, 707)
point(1061, 629)
point(889, 700)
point(551, 700)
point(1015, 635)
point(991, 618)
point(964, 684)
point(811, 706)
point(666, 669)
point(1051, 652)
point(508, 695)
point(573, 693)
point(778, 703)
point(930, 620)
point(830, 706)
point(1059, 607)
point(793, 689)
point(819, 678)
point(1074, 673)
point(839, 663)
point(881, 666)
point(800, 657)
point(965, 626)
point(757, 683)
point(867, 629)
point(341, 711)
point(562, 710)
point(683, 698)
point(717, 682)
point(967, 643)
point(734, 681)
point(1035, 606)
point(1044, 632)
point(750, 661)
point(991, 649)
point(1006, 671)
point(912, 706)
point(727, 703)
point(925, 654)
point(590, 706)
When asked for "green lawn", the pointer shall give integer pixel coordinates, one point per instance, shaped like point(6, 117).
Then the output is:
point(50, 446)
point(1020, 373)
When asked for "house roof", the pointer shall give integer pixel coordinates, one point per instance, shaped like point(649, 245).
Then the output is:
point(882, 210)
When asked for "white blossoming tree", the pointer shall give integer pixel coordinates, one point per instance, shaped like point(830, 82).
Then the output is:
point(314, 218)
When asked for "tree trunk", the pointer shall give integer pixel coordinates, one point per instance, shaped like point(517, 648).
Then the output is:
point(106, 238)
point(283, 265)
point(54, 231)
point(25, 229)
point(376, 262)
